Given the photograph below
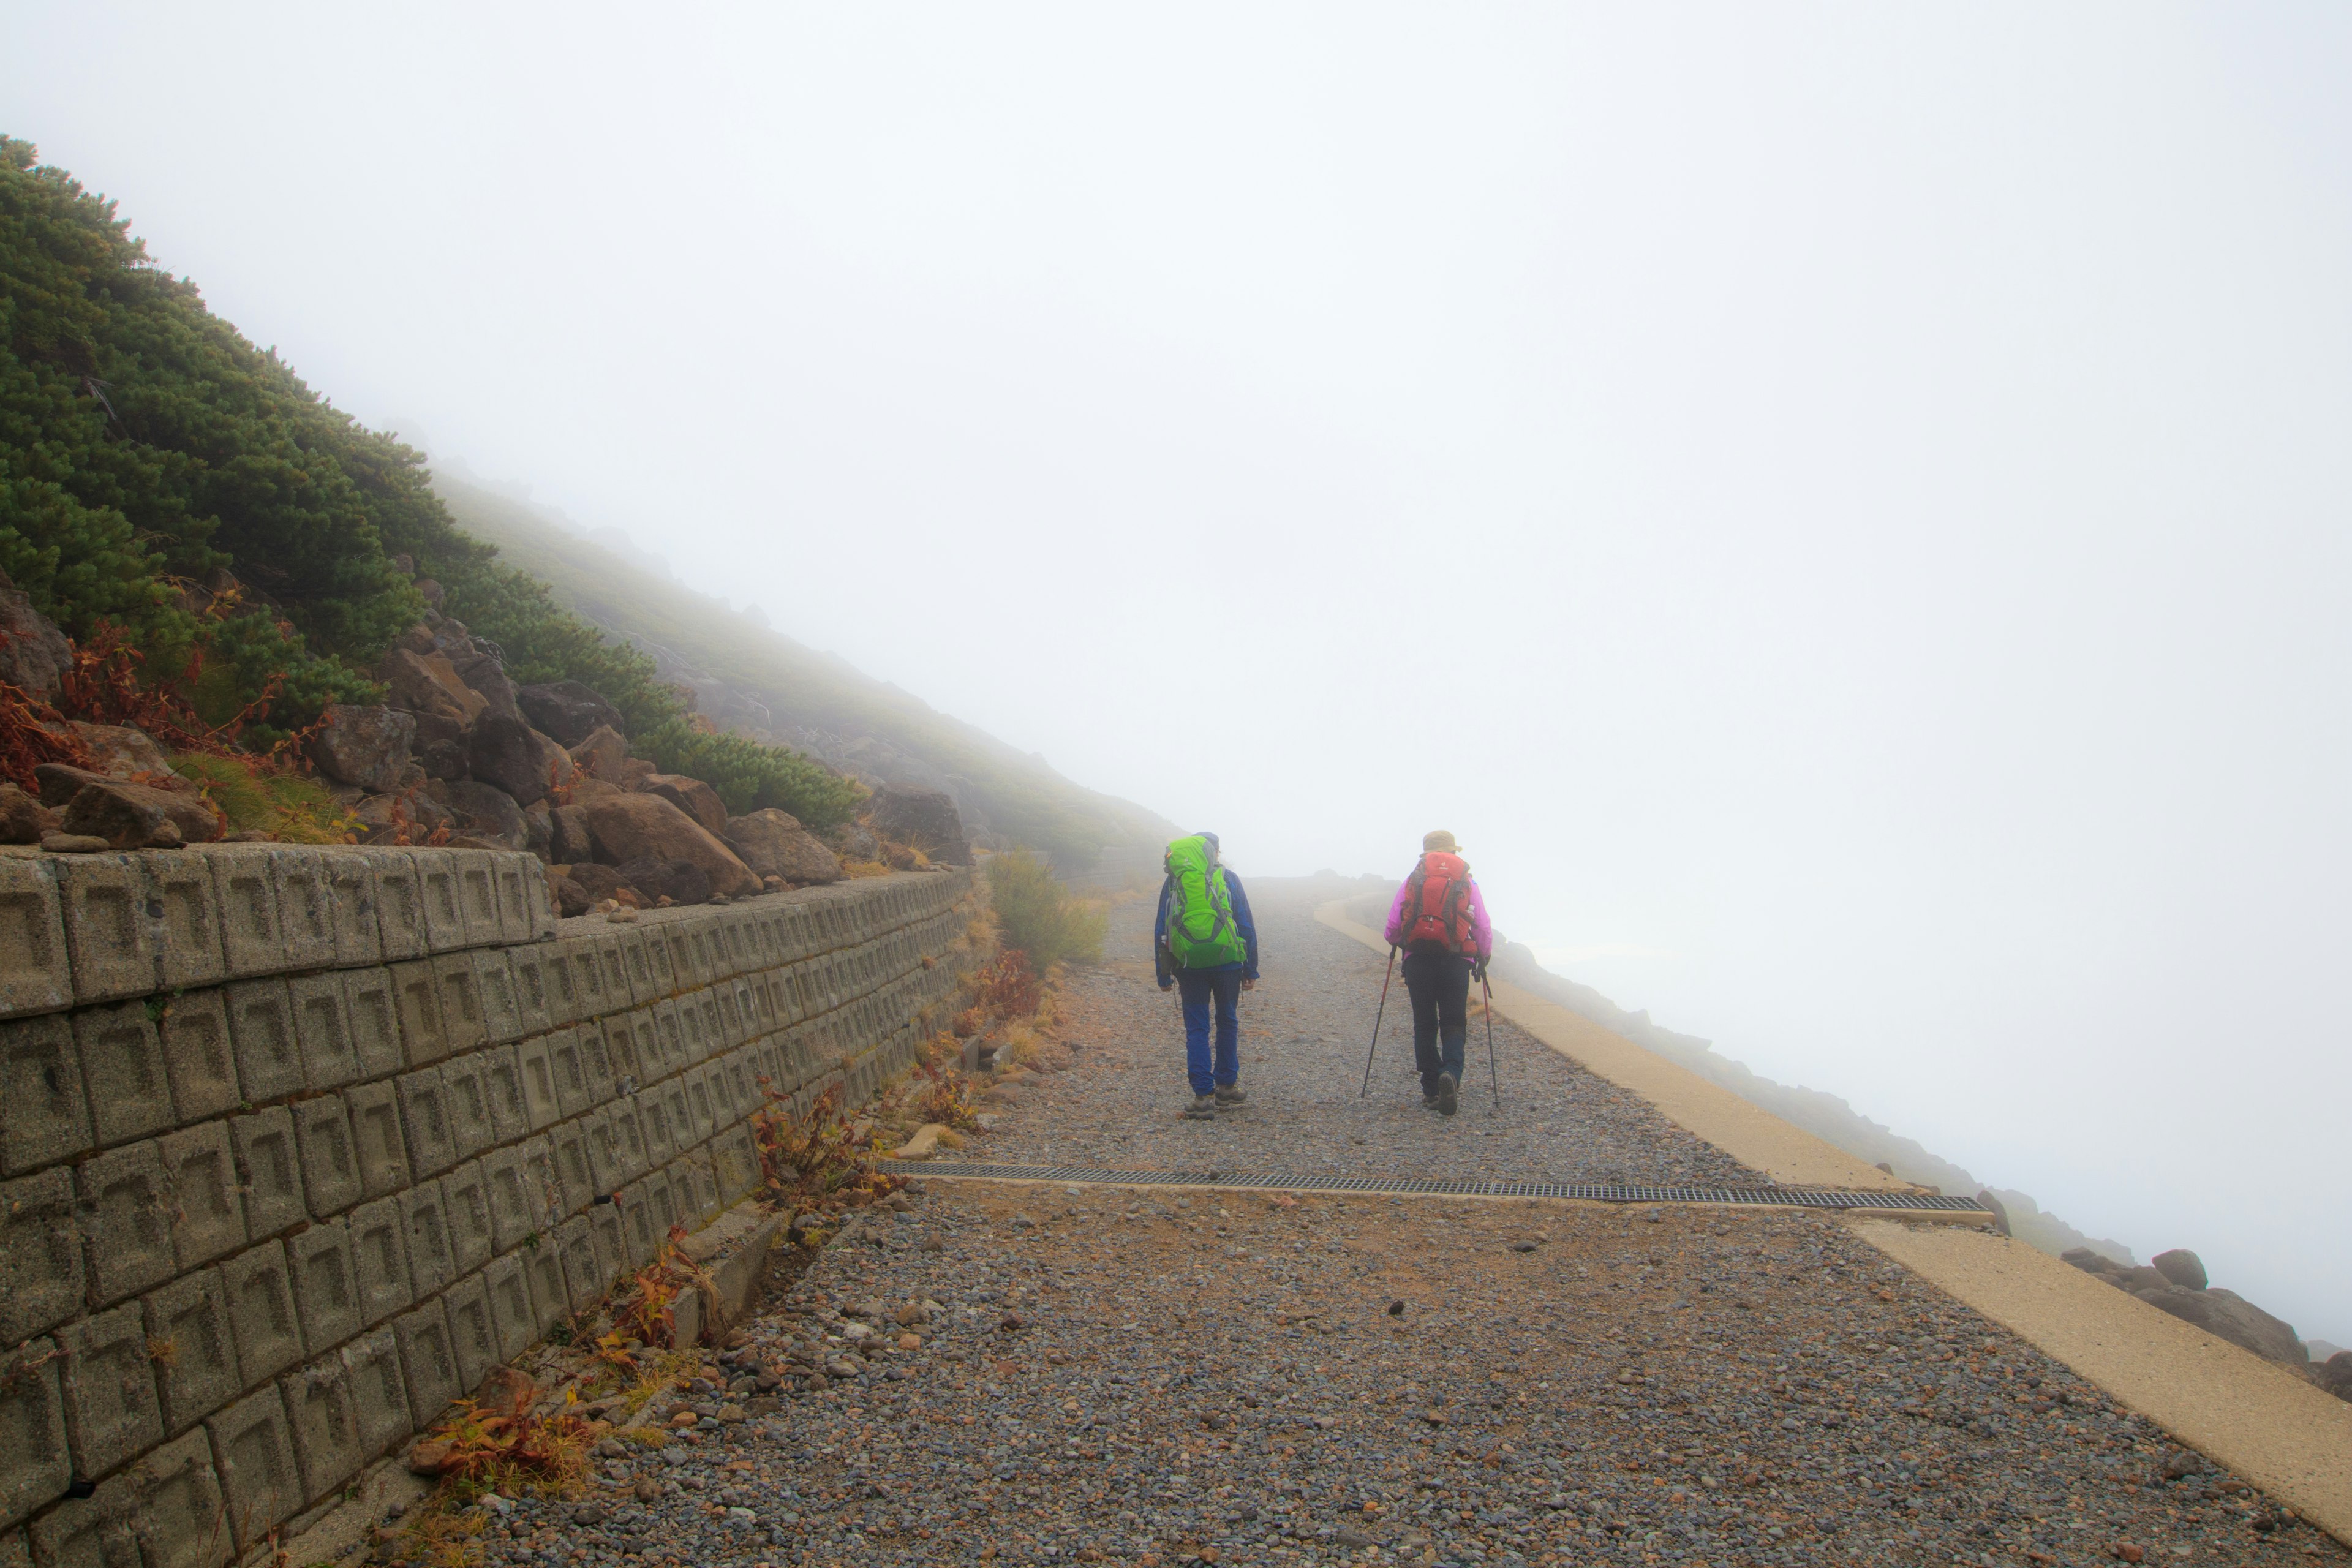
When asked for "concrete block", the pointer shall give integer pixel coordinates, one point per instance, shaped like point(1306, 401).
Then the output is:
point(466, 1200)
point(268, 1165)
point(563, 965)
point(432, 1256)
point(473, 1336)
point(513, 1214)
point(536, 1070)
point(379, 1142)
point(700, 1105)
point(35, 971)
point(530, 969)
point(111, 1411)
point(543, 1182)
point(576, 1175)
point(428, 1359)
point(178, 1518)
point(515, 876)
point(424, 1122)
point(192, 1036)
point(306, 920)
point(596, 1065)
point(330, 1166)
point(106, 932)
point(261, 1029)
point(660, 1205)
point(653, 1127)
point(670, 1040)
point(583, 1275)
point(628, 1139)
point(735, 1161)
point(731, 1014)
point(246, 894)
point(323, 1031)
point(93, 1531)
point(608, 1234)
point(695, 1187)
point(695, 1030)
point(637, 1225)
point(124, 1207)
point(42, 1116)
point(324, 1421)
point(252, 1454)
point(542, 1268)
point(678, 940)
point(379, 1232)
point(646, 982)
point(417, 997)
point(193, 1349)
point(399, 904)
point(326, 1285)
point(570, 1073)
point(463, 1023)
point(379, 1384)
point(477, 895)
point(351, 908)
point(263, 1322)
point(678, 1116)
point(372, 1011)
point(36, 1465)
point(207, 1193)
point(604, 1146)
point(465, 1101)
point(621, 1048)
point(514, 1319)
point(494, 985)
point(544, 921)
point(41, 1281)
point(611, 972)
point(501, 1069)
point(444, 915)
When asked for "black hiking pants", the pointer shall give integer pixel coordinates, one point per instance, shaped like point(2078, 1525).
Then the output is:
point(1438, 985)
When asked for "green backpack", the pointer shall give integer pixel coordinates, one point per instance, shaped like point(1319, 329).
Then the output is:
point(1200, 929)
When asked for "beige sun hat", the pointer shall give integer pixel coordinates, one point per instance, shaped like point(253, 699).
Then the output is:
point(1439, 843)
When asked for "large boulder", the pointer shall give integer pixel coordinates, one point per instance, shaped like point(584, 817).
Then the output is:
point(692, 796)
point(518, 759)
point(567, 835)
point(2180, 1266)
point(2227, 1315)
point(925, 818)
point(480, 671)
point(2335, 1374)
point(139, 817)
point(121, 751)
point(625, 828)
point(679, 881)
point(773, 844)
point(567, 711)
point(365, 745)
point(485, 812)
point(427, 684)
point(23, 820)
point(34, 655)
point(602, 753)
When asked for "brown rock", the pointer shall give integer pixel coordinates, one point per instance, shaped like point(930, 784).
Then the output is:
point(485, 812)
point(625, 828)
point(567, 835)
point(599, 756)
point(925, 818)
point(365, 745)
point(566, 709)
point(772, 844)
point(599, 882)
point(2183, 1268)
point(139, 816)
point(428, 1458)
point(2227, 1315)
point(679, 881)
point(571, 897)
point(34, 655)
point(583, 787)
point(73, 844)
point(2335, 1375)
point(692, 796)
point(23, 820)
point(517, 758)
point(427, 684)
point(504, 1389)
point(121, 751)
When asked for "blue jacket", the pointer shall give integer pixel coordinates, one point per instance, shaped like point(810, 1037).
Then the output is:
point(1166, 965)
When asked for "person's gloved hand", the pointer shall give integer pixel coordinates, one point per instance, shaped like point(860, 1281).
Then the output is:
point(1167, 985)
point(1478, 971)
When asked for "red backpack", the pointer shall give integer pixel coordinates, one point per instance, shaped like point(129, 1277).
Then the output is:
point(1437, 905)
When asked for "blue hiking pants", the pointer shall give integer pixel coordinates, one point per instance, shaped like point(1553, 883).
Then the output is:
point(1197, 988)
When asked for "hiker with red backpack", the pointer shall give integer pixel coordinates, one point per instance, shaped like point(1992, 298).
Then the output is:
point(1440, 921)
point(1204, 942)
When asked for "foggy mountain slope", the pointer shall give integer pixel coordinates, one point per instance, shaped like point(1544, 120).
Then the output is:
point(749, 679)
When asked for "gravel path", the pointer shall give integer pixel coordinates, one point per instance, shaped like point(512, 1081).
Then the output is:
point(1304, 1031)
point(1008, 1374)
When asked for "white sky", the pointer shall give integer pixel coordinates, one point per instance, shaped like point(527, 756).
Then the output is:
point(1842, 509)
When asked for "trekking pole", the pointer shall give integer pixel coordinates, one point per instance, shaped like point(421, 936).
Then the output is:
point(1494, 1079)
point(1373, 1049)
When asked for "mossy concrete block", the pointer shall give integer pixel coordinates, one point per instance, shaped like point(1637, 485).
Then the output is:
point(93, 1531)
point(108, 934)
point(323, 1420)
point(193, 1348)
point(330, 1153)
point(263, 1320)
point(428, 1359)
point(380, 1266)
point(261, 1029)
point(326, 1285)
point(111, 1409)
point(399, 903)
point(43, 1115)
point(322, 1029)
point(207, 1193)
point(373, 1013)
point(124, 1206)
point(416, 998)
point(466, 1200)
point(192, 1033)
point(178, 1517)
point(35, 971)
point(253, 1451)
point(350, 883)
point(41, 1282)
point(36, 1462)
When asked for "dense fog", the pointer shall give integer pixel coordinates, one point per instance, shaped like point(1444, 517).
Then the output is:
point(1842, 511)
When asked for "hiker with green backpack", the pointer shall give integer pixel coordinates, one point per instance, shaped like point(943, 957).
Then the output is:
point(1204, 943)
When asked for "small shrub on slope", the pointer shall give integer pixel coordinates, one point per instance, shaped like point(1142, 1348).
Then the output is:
point(1038, 915)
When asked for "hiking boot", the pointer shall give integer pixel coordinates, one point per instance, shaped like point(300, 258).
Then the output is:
point(1448, 1094)
point(1429, 1101)
point(1230, 1094)
point(1203, 1109)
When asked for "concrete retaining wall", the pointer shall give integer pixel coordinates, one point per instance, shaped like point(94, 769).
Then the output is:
point(295, 1144)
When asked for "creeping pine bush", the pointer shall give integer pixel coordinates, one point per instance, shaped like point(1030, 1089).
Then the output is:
point(1039, 916)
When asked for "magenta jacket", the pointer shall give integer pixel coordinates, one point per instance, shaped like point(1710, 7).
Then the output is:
point(1481, 928)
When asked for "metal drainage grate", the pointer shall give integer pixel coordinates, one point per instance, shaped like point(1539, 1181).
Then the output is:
point(1592, 1192)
